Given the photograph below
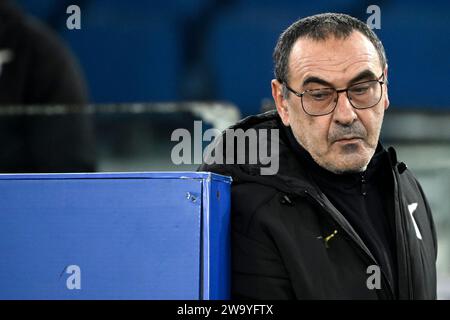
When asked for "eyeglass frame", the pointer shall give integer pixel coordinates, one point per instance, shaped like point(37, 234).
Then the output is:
point(300, 95)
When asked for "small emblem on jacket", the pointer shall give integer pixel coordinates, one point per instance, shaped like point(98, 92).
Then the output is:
point(328, 238)
point(412, 207)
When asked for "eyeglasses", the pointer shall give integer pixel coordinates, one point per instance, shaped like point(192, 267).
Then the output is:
point(323, 101)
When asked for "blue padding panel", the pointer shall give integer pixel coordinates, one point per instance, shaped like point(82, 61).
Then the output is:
point(133, 236)
point(216, 261)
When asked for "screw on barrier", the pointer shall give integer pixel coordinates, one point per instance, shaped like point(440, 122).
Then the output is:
point(191, 197)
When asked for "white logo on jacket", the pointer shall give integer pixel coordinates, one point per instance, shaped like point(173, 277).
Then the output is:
point(412, 207)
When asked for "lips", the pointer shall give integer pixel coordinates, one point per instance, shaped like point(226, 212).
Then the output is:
point(348, 139)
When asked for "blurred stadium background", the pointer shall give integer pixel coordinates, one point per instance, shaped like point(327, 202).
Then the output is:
point(164, 53)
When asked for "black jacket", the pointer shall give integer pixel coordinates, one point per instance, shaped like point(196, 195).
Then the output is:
point(280, 223)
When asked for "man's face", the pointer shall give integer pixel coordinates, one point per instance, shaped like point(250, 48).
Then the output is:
point(344, 140)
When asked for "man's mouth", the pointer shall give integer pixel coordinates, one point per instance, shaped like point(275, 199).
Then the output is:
point(348, 140)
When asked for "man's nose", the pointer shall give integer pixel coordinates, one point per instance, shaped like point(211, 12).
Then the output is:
point(344, 113)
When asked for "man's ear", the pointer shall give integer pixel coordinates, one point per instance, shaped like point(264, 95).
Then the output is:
point(280, 101)
point(386, 96)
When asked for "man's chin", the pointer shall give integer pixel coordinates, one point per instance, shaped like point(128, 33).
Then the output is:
point(347, 167)
point(344, 162)
point(353, 158)
point(352, 170)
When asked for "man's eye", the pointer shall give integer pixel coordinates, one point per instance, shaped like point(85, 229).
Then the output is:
point(360, 89)
point(320, 95)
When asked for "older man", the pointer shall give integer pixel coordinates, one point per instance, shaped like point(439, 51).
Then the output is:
point(342, 218)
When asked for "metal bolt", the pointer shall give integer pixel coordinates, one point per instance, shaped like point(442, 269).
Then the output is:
point(191, 197)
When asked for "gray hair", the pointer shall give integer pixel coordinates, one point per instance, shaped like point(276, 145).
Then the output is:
point(319, 27)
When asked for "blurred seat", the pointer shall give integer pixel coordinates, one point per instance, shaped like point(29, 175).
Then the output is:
point(40, 9)
point(417, 42)
point(129, 53)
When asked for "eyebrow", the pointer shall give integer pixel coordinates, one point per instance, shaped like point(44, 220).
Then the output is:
point(363, 75)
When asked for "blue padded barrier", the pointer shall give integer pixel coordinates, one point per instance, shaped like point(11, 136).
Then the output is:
point(153, 235)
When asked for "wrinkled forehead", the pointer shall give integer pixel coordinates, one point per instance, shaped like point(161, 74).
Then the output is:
point(333, 59)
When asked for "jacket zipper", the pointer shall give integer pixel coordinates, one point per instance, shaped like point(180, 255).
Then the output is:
point(337, 216)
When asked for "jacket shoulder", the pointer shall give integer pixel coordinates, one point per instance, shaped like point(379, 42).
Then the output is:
point(246, 200)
